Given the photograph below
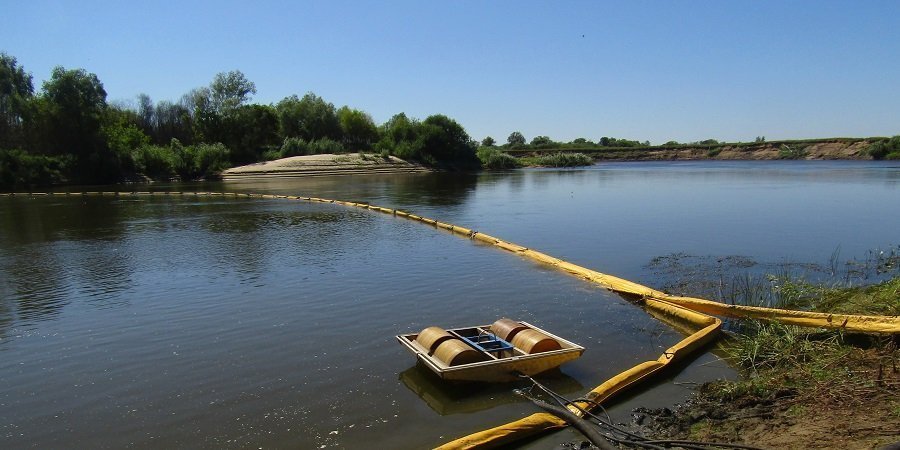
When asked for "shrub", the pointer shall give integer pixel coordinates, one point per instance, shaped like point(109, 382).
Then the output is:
point(199, 161)
point(154, 161)
point(271, 154)
point(565, 160)
point(19, 169)
point(325, 145)
point(791, 152)
point(493, 159)
point(887, 149)
point(211, 159)
point(294, 146)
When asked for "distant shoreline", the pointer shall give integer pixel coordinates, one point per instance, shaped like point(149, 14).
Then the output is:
point(368, 163)
point(811, 149)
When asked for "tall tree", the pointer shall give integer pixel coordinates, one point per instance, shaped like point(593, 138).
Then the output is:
point(230, 90)
point(146, 112)
point(310, 118)
point(250, 130)
point(16, 90)
point(515, 138)
point(75, 103)
point(172, 121)
point(445, 140)
point(358, 128)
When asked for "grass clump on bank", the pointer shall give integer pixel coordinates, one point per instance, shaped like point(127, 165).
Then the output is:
point(493, 159)
point(800, 381)
point(559, 160)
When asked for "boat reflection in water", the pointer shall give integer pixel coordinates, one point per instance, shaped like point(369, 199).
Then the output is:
point(468, 397)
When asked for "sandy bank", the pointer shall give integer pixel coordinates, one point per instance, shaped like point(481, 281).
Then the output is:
point(323, 165)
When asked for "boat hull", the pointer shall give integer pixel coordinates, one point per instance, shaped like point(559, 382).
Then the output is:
point(495, 370)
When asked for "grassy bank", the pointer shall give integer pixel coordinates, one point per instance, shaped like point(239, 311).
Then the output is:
point(800, 387)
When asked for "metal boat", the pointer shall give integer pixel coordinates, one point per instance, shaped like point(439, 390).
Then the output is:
point(498, 360)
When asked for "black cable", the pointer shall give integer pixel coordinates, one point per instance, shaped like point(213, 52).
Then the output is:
point(641, 440)
point(609, 425)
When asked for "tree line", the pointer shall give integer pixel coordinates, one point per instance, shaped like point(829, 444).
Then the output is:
point(69, 132)
point(517, 141)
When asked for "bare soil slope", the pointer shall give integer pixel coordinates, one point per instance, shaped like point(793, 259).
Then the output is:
point(322, 165)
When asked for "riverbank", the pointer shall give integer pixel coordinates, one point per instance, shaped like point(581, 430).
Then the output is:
point(800, 388)
point(323, 165)
point(808, 149)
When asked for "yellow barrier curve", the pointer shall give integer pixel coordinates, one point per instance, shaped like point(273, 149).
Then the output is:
point(674, 310)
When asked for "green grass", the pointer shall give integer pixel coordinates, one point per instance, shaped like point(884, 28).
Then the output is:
point(814, 364)
point(559, 160)
point(493, 159)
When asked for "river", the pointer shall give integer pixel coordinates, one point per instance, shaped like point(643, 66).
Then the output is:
point(217, 322)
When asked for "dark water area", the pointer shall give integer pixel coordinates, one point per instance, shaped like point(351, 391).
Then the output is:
point(229, 323)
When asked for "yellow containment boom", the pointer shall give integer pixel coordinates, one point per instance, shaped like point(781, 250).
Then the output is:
point(675, 310)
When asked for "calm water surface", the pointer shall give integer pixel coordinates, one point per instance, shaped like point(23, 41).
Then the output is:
point(230, 323)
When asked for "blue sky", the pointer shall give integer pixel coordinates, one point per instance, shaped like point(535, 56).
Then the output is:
point(729, 70)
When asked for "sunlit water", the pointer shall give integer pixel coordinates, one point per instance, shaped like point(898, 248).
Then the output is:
point(226, 323)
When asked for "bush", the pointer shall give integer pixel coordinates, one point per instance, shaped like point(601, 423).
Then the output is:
point(325, 145)
point(199, 161)
point(887, 149)
point(493, 159)
point(19, 169)
point(211, 159)
point(565, 160)
point(154, 161)
point(271, 154)
point(294, 146)
point(791, 152)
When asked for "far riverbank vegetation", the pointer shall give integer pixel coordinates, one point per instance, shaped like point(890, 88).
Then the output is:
point(69, 133)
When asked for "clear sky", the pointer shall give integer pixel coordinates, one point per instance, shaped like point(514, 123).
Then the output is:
point(729, 70)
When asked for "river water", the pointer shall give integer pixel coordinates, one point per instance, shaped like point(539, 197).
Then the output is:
point(231, 323)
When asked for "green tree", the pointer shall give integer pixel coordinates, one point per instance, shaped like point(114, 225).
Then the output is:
point(488, 142)
point(248, 131)
point(122, 136)
point(146, 112)
point(16, 91)
point(446, 141)
point(205, 118)
point(542, 142)
point(74, 103)
point(515, 139)
point(400, 136)
point(310, 118)
point(358, 129)
point(230, 90)
point(172, 121)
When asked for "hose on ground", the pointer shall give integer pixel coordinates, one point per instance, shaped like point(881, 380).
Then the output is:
point(564, 412)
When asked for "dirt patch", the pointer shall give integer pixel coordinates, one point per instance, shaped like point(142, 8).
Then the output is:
point(863, 415)
point(808, 150)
